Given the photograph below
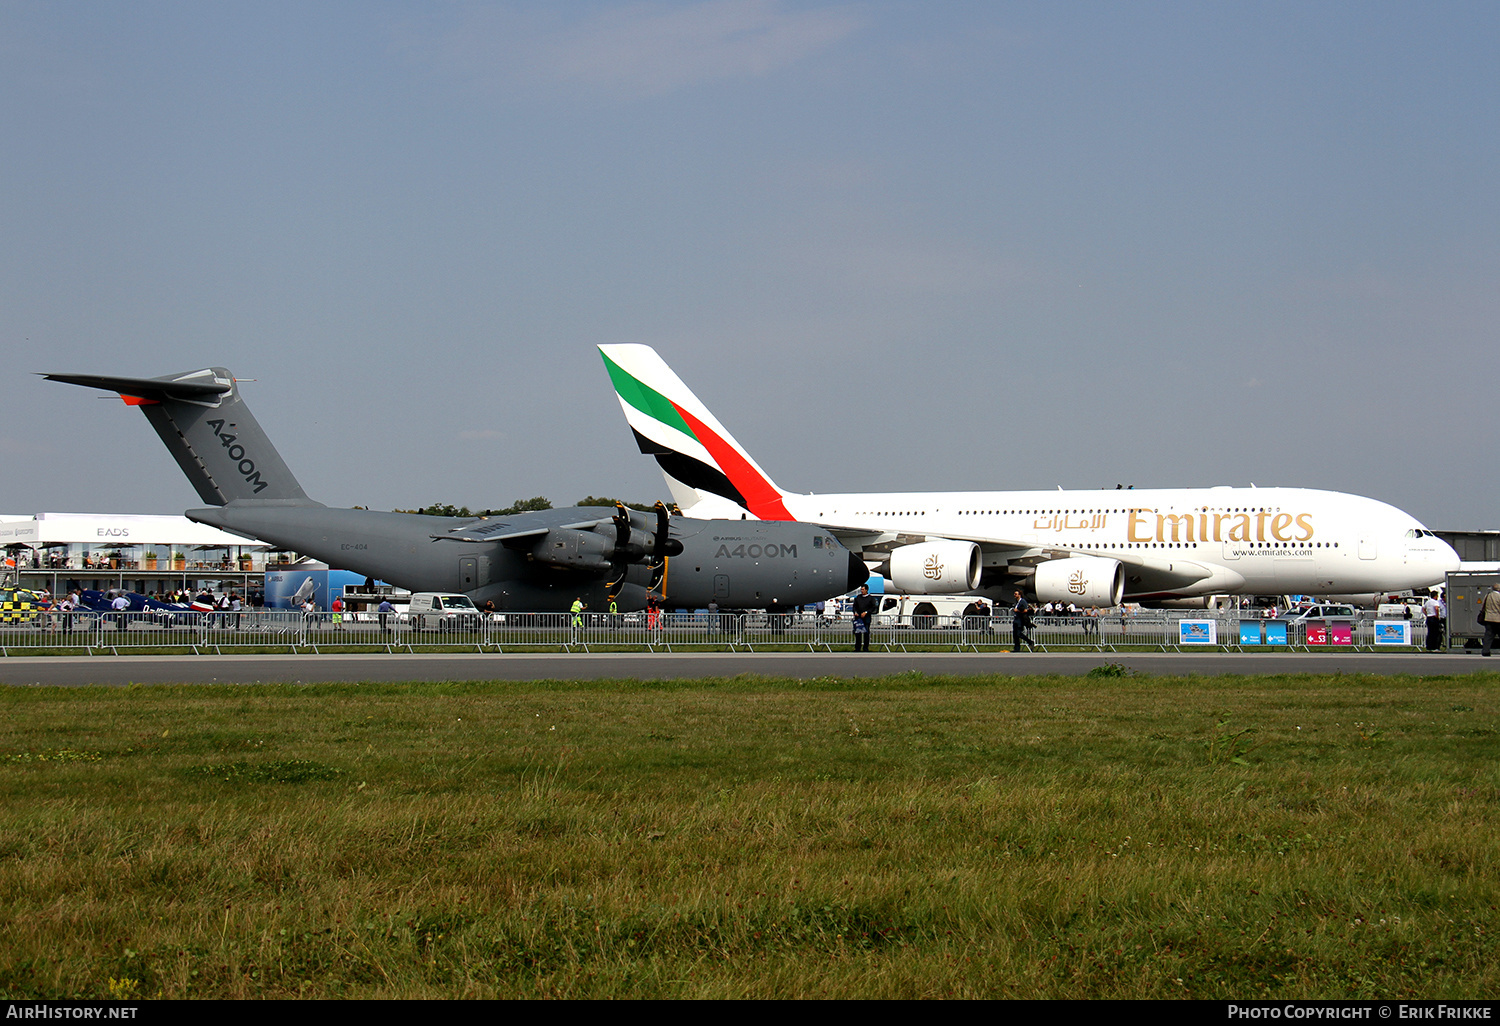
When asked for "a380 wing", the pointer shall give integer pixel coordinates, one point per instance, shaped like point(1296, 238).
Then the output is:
point(1165, 571)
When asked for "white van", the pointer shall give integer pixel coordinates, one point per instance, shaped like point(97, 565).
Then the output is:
point(1324, 611)
point(433, 610)
point(924, 612)
point(1398, 610)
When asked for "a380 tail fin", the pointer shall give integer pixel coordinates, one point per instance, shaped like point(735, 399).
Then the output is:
point(691, 446)
point(209, 431)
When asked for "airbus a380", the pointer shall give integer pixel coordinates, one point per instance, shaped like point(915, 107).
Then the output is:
point(1092, 548)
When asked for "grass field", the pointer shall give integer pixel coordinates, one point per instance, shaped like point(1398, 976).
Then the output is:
point(1306, 837)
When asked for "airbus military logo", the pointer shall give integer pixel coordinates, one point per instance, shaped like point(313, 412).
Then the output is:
point(932, 569)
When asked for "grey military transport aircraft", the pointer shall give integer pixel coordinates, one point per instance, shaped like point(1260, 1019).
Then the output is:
point(535, 561)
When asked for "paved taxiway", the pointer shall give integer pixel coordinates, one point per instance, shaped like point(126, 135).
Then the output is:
point(265, 669)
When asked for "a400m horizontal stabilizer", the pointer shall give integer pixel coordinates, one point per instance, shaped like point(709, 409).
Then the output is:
point(209, 431)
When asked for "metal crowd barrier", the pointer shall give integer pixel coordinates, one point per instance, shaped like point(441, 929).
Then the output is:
point(261, 630)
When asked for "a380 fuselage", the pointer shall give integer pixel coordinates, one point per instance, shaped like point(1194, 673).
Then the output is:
point(1254, 540)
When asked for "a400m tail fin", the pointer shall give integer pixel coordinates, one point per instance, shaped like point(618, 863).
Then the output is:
point(209, 431)
point(689, 443)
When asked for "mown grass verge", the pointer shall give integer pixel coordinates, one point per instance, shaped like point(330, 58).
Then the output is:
point(911, 836)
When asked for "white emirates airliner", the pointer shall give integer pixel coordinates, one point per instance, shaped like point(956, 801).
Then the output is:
point(1092, 548)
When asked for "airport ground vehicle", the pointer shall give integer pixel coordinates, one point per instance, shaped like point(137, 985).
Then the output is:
point(434, 611)
point(1399, 610)
point(19, 606)
point(924, 612)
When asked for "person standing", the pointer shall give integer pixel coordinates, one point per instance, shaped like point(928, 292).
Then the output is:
point(976, 616)
point(385, 609)
point(121, 605)
point(577, 622)
point(1433, 610)
point(982, 611)
point(1020, 621)
point(1489, 616)
point(864, 618)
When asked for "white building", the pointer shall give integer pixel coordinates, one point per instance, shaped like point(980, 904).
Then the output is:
point(138, 552)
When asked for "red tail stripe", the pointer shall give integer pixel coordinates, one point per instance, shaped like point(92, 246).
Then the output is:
point(761, 496)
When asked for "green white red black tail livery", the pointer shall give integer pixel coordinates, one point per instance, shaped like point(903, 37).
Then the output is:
point(701, 460)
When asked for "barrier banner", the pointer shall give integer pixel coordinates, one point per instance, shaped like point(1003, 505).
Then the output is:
point(1276, 632)
point(1392, 632)
point(1341, 634)
point(1249, 632)
point(1197, 632)
point(1317, 634)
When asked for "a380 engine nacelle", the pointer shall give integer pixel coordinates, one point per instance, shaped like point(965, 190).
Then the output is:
point(941, 567)
point(1082, 580)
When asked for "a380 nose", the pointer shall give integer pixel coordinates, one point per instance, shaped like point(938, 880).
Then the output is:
point(1445, 559)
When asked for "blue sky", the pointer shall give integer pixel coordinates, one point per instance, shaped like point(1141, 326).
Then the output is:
point(891, 245)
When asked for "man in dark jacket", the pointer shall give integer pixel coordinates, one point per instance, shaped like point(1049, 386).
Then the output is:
point(1020, 621)
point(865, 605)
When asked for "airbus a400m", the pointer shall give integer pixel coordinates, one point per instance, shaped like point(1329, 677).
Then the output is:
point(529, 561)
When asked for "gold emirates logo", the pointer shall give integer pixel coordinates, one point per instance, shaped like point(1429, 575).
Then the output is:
point(1261, 526)
point(1078, 584)
point(932, 569)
